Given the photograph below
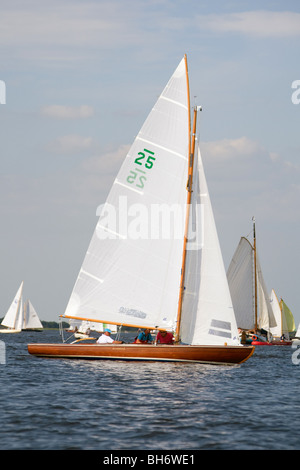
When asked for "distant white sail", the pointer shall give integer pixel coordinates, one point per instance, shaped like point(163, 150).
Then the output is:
point(281, 325)
point(30, 317)
point(241, 280)
point(266, 319)
point(13, 317)
point(241, 284)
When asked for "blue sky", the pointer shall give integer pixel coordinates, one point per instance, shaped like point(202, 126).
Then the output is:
point(81, 77)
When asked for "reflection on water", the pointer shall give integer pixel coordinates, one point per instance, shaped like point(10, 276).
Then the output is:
point(69, 404)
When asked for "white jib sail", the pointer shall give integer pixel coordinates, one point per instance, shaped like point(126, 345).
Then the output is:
point(266, 318)
point(11, 318)
point(133, 277)
point(31, 319)
point(281, 325)
point(207, 311)
point(241, 284)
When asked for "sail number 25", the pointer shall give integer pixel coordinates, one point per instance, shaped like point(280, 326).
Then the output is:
point(145, 160)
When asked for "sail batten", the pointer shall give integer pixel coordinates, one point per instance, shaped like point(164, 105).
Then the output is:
point(169, 150)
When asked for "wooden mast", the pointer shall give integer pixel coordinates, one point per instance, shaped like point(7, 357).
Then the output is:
point(255, 275)
point(189, 188)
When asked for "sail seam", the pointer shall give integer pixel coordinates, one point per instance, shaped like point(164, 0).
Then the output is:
point(111, 231)
point(163, 148)
point(91, 275)
point(128, 187)
point(175, 102)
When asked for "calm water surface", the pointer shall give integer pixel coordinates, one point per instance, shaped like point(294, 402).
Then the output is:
point(61, 404)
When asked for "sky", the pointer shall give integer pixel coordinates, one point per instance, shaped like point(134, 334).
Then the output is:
point(81, 77)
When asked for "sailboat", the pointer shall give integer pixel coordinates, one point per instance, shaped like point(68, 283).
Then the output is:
point(254, 313)
point(176, 283)
point(21, 316)
point(289, 318)
point(280, 332)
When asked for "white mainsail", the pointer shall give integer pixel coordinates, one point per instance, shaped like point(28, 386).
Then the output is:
point(241, 280)
point(136, 281)
point(207, 311)
point(13, 317)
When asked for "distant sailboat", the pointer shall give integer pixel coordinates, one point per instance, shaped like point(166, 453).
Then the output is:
point(177, 284)
point(19, 316)
point(251, 303)
point(289, 318)
point(284, 319)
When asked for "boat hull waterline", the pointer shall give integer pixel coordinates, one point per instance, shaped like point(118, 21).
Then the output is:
point(138, 352)
point(272, 343)
point(10, 330)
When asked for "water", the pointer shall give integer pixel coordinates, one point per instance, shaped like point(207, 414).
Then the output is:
point(65, 404)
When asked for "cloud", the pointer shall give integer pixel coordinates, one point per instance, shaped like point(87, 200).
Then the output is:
point(253, 178)
point(67, 31)
point(71, 144)
point(68, 112)
point(254, 23)
point(229, 149)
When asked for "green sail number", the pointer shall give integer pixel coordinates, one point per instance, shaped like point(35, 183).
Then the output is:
point(138, 176)
point(150, 159)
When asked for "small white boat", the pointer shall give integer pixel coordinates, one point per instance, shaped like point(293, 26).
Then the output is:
point(21, 317)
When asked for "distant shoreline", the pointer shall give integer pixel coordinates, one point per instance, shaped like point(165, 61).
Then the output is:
point(51, 325)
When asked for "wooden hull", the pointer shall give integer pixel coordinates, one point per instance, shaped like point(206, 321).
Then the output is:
point(145, 352)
